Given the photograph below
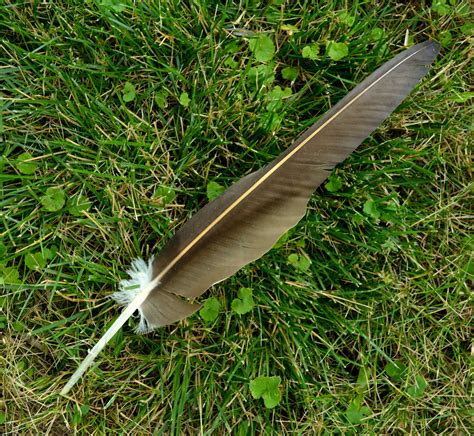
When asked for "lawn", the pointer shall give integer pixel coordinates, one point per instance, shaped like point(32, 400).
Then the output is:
point(120, 119)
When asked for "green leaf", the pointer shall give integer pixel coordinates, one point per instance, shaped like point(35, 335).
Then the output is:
point(440, 7)
point(10, 276)
point(25, 165)
point(363, 377)
point(2, 418)
point(467, 29)
point(18, 326)
point(233, 47)
point(3, 250)
point(184, 99)
point(396, 370)
point(310, 51)
point(262, 48)
point(35, 261)
point(128, 92)
point(210, 309)
point(334, 183)
point(370, 209)
point(244, 303)
point(376, 34)
point(300, 262)
point(357, 219)
point(80, 412)
point(355, 413)
point(165, 195)
point(390, 244)
point(463, 8)
point(114, 5)
point(418, 389)
point(337, 50)
point(268, 389)
point(78, 204)
point(230, 62)
point(213, 190)
point(290, 73)
point(347, 18)
point(445, 38)
point(261, 75)
point(468, 268)
point(161, 99)
point(276, 96)
point(53, 200)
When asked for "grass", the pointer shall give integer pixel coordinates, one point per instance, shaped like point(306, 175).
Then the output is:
point(129, 110)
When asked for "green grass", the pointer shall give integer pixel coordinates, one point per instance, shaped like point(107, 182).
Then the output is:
point(373, 336)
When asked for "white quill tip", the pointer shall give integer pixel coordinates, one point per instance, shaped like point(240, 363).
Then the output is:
point(133, 293)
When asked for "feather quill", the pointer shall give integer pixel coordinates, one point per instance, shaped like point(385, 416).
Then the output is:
point(248, 218)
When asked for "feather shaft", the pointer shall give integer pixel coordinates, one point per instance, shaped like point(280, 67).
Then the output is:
point(109, 334)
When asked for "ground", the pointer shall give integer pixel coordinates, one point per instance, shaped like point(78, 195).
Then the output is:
point(120, 119)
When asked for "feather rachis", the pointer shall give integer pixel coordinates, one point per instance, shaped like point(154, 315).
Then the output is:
point(140, 296)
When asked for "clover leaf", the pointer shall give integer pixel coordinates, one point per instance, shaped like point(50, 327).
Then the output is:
point(25, 165)
point(290, 73)
point(213, 190)
point(160, 99)
point(441, 7)
point(337, 50)
point(38, 260)
point(299, 261)
point(128, 93)
point(261, 75)
point(268, 389)
point(395, 370)
point(164, 195)
point(376, 34)
point(262, 48)
point(276, 96)
point(184, 99)
point(54, 199)
point(10, 275)
point(370, 209)
point(210, 309)
point(115, 5)
point(417, 390)
point(355, 413)
point(244, 303)
point(310, 52)
point(334, 183)
point(347, 18)
point(35, 261)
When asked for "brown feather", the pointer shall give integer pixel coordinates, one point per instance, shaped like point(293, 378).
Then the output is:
point(249, 217)
point(245, 222)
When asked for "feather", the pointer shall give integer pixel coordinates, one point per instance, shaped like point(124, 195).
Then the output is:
point(248, 218)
